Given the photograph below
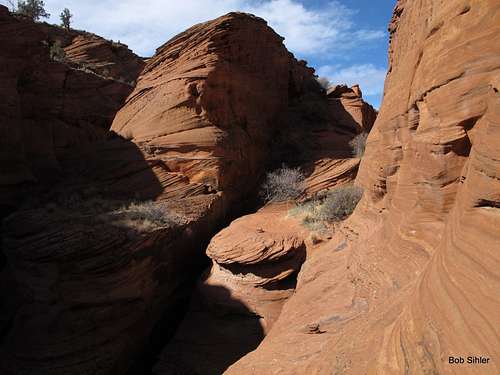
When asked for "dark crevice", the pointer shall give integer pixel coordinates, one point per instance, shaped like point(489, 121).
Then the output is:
point(460, 147)
point(435, 29)
point(171, 319)
point(465, 10)
point(469, 123)
point(486, 203)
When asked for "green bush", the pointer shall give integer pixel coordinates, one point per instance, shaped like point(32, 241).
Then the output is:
point(65, 17)
point(283, 184)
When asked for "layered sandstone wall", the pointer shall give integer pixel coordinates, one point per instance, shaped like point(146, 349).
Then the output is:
point(349, 110)
point(413, 277)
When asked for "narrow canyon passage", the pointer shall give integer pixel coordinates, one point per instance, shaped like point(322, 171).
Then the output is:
point(239, 297)
point(212, 209)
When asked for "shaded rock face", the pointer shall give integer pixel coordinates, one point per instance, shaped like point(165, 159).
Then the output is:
point(413, 276)
point(213, 105)
point(47, 106)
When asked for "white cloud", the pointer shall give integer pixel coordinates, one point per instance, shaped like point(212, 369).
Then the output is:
point(146, 24)
point(306, 31)
point(368, 76)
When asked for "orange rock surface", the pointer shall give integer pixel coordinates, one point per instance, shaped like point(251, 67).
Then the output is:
point(106, 58)
point(216, 107)
point(413, 277)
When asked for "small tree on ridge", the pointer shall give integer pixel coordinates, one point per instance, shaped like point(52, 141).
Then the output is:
point(65, 17)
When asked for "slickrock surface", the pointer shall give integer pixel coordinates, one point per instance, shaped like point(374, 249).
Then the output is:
point(87, 290)
point(92, 289)
point(255, 263)
point(321, 144)
point(414, 275)
point(180, 111)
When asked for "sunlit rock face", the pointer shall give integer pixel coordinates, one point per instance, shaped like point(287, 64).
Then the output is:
point(413, 277)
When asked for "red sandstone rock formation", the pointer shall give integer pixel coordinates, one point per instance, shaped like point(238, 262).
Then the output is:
point(199, 130)
point(106, 58)
point(49, 106)
point(349, 109)
point(413, 277)
point(210, 100)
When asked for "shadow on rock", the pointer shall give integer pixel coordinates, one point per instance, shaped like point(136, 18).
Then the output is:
point(212, 337)
point(97, 263)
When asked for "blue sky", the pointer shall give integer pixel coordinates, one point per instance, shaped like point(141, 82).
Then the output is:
point(344, 40)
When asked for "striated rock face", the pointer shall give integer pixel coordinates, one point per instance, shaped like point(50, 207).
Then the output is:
point(257, 251)
point(209, 101)
point(47, 106)
point(413, 276)
point(106, 58)
point(182, 115)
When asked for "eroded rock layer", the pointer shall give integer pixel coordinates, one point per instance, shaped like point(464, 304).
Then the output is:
point(413, 277)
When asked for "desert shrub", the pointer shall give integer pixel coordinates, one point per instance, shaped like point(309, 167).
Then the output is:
point(57, 52)
point(309, 213)
point(340, 203)
point(324, 82)
point(65, 17)
point(358, 144)
point(140, 217)
point(283, 184)
point(34, 9)
point(154, 213)
point(336, 205)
